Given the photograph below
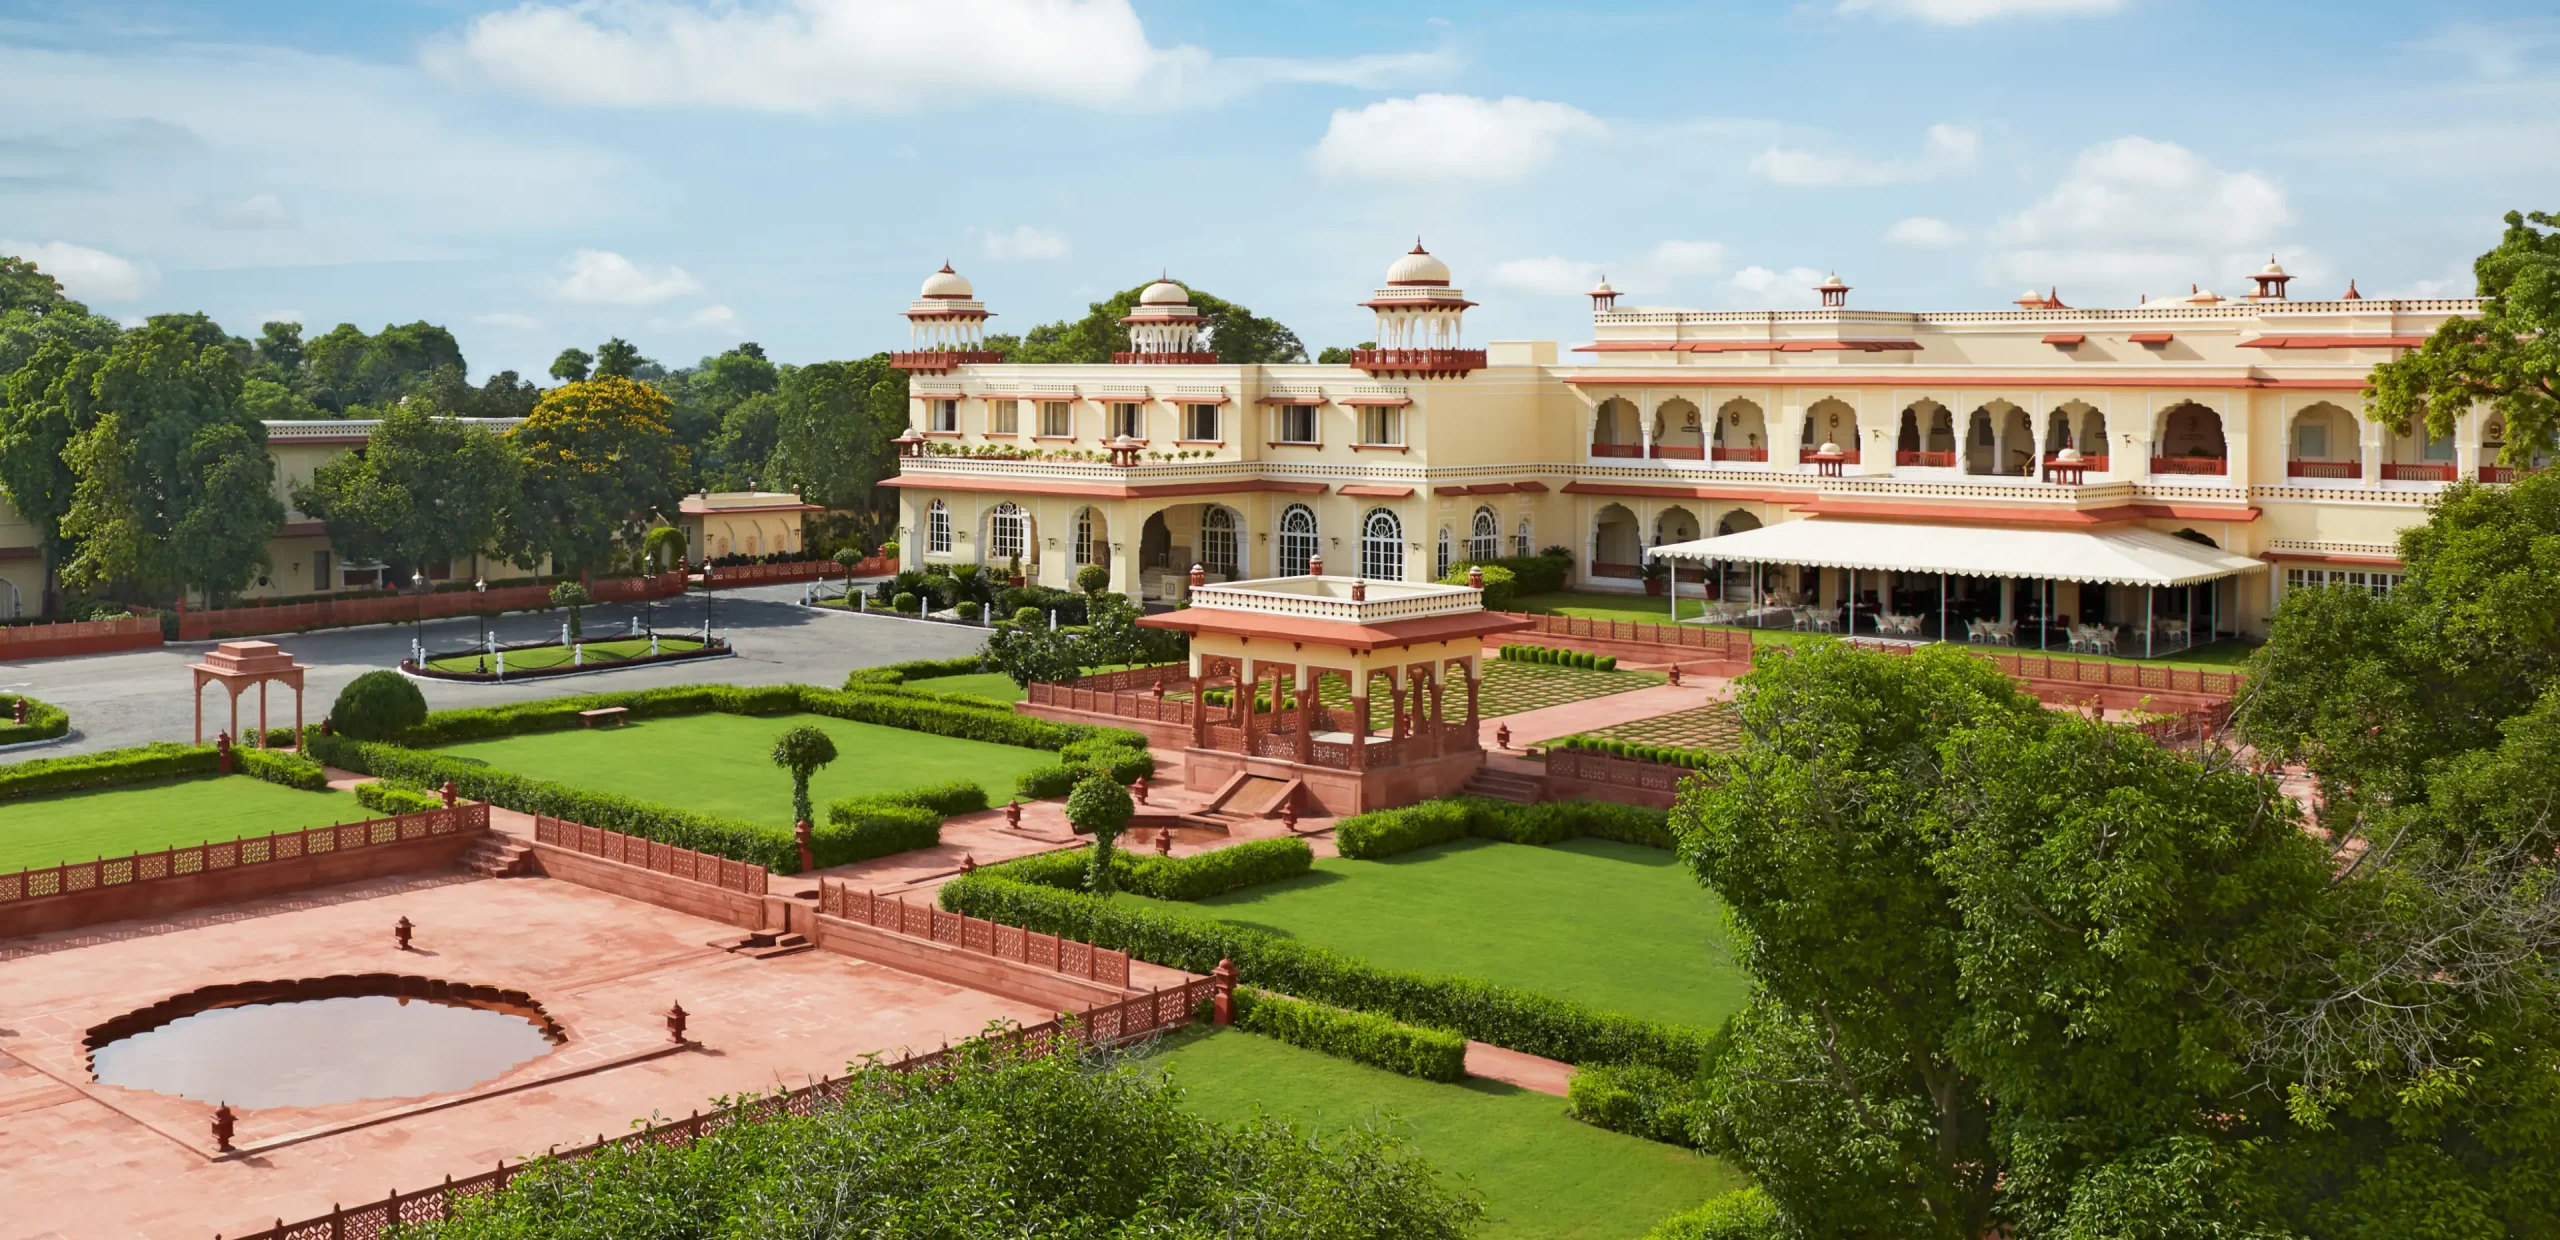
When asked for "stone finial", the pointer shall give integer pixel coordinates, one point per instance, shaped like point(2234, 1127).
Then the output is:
point(1475, 576)
point(1315, 565)
point(1199, 576)
point(1164, 842)
point(449, 793)
point(1359, 590)
point(401, 931)
point(675, 1023)
point(224, 1125)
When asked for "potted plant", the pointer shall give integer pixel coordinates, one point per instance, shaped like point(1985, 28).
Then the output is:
point(1656, 571)
point(1013, 570)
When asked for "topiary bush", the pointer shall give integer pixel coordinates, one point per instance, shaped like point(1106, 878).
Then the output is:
point(1501, 585)
point(1101, 808)
point(378, 706)
point(905, 602)
point(1743, 1214)
point(1639, 1100)
point(1093, 579)
point(280, 766)
point(967, 610)
point(1408, 1050)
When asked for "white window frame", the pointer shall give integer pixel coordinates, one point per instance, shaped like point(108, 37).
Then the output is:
point(1221, 541)
point(1283, 414)
point(1125, 417)
point(1382, 545)
point(1299, 542)
point(1008, 533)
point(2378, 584)
point(1004, 417)
point(1484, 535)
point(1057, 419)
point(1382, 426)
point(1443, 557)
point(1197, 417)
point(937, 528)
point(1084, 538)
point(1523, 540)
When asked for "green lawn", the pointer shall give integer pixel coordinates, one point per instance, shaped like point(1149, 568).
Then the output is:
point(1619, 927)
point(2227, 655)
point(112, 822)
point(993, 686)
point(1540, 1173)
point(722, 764)
point(541, 657)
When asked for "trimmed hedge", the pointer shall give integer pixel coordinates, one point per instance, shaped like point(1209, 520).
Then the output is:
point(387, 798)
point(1743, 1214)
point(1694, 759)
point(280, 766)
point(1555, 656)
point(913, 669)
point(1639, 1100)
point(1121, 757)
point(886, 705)
point(878, 826)
point(1388, 832)
point(381, 704)
point(1044, 783)
point(1407, 1050)
point(1532, 574)
point(45, 720)
point(140, 764)
point(1501, 585)
point(1249, 864)
point(1505, 1016)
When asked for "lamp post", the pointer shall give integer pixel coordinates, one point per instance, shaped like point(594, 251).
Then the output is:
point(418, 629)
point(480, 611)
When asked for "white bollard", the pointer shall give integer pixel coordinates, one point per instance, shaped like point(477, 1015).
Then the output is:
point(1053, 619)
point(653, 645)
point(502, 665)
point(578, 655)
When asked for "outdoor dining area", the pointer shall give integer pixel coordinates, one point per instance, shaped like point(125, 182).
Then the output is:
point(2126, 591)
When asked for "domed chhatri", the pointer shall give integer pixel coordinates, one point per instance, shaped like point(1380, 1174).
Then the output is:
point(947, 284)
point(1419, 316)
point(1164, 293)
point(946, 326)
point(1165, 329)
point(1418, 267)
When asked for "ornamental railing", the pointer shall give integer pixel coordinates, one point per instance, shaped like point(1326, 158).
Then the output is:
point(171, 864)
point(2323, 469)
point(744, 877)
point(976, 935)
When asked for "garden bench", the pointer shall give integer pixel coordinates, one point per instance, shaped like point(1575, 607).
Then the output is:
point(610, 715)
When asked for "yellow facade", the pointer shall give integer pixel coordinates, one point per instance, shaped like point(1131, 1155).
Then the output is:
point(2235, 419)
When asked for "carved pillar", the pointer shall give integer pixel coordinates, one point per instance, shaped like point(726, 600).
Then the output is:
point(1360, 729)
point(1199, 707)
point(1248, 683)
point(1439, 710)
point(1307, 690)
point(1474, 682)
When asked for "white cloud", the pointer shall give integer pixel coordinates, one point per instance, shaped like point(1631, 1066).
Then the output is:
point(1948, 148)
point(604, 278)
point(1023, 244)
point(1688, 258)
point(252, 212)
point(1923, 230)
point(1553, 277)
point(507, 320)
point(1973, 12)
point(720, 318)
point(87, 274)
point(1791, 287)
point(869, 55)
point(2135, 214)
point(1448, 138)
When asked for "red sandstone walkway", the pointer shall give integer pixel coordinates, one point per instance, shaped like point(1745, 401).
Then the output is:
point(78, 1159)
point(1546, 723)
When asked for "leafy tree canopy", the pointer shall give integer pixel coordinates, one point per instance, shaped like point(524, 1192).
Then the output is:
point(1337, 355)
point(619, 359)
point(1236, 334)
point(2507, 359)
point(832, 431)
point(425, 490)
point(346, 367)
point(572, 365)
point(600, 461)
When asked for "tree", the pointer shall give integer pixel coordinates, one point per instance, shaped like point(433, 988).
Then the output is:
point(268, 400)
point(619, 359)
point(662, 549)
point(832, 432)
point(599, 462)
point(571, 595)
point(1336, 355)
point(1236, 334)
point(346, 367)
point(426, 490)
point(33, 311)
point(572, 365)
point(280, 348)
point(1100, 805)
point(1032, 653)
point(802, 751)
point(2507, 359)
point(24, 287)
point(378, 706)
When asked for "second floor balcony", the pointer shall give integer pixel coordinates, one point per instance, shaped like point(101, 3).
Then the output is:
point(943, 361)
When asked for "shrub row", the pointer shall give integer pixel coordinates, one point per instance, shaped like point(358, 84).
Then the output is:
point(1639, 1100)
point(913, 669)
point(1668, 755)
point(142, 763)
point(1249, 864)
point(45, 720)
point(1530, 574)
point(1407, 1050)
point(280, 766)
point(1119, 756)
point(1505, 1016)
point(878, 826)
point(388, 798)
point(1388, 832)
point(880, 704)
point(1556, 656)
point(1743, 1214)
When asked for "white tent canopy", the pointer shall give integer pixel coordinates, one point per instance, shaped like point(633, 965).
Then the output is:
point(2126, 556)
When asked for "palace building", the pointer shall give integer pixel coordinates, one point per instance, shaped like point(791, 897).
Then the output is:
point(2191, 456)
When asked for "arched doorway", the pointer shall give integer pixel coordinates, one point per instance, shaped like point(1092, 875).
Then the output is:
point(2323, 444)
point(1741, 432)
point(1679, 433)
point(1927, 438)
point(1613, 429)
point(1617, 543)
point(1830, 420)
point(1092, 539)
point(1381, 546)
point(2190, 441)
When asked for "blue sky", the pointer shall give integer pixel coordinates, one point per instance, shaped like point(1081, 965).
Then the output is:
point(687, 173)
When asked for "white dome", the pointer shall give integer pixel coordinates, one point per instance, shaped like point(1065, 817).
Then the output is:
point(1164, 293)
point(2271, 269)
point(1418, 267)
point(947, 283)
point(1833, 282)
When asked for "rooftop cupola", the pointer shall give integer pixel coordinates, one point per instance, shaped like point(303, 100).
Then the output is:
point(946, 326)
point(1835, 291)
point(2271, 281)
point(1165, 329)
point(1603, 297)
point(1420, 321)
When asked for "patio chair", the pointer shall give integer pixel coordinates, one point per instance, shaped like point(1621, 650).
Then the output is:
point(2003, 632)
point(2102, 639)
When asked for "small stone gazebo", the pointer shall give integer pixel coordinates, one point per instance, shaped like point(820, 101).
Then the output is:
point(1287, 641)
point(238, 665)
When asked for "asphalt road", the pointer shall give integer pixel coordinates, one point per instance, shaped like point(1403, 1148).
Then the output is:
point(141, 695)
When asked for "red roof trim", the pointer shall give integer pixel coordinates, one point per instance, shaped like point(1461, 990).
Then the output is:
point(1382, 402)
point(1196, 400)
point(2151, 337)
point(1343, 633)
point(2065, 338)
point(2334, 342)
point(1371, 490)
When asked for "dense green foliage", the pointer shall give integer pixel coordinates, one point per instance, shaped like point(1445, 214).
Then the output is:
point(158, 760)
point(1502, 1015)
point(1110, 637)
point(599, 461)
point(1748, 1214)
point(425, 490)
point(1196, 877)
point(1543, 573)
point(1121, 757)
point(911, 670)
point(1668, 755)
point(44, 720)
point(1406, 1050)
point(1639, 1100)
point(1388, 832)
point(801, 751)
point(1235, 334)
point(1049, 1146)
point(881, 826)
point(379, 705)
point(280, 766)
point(1559, 657)
point(1501, 585)
point(383, 797)
point(2506, 358)
point(1098, 806)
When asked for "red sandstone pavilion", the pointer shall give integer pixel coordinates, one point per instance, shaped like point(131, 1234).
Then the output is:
point(1277, 644)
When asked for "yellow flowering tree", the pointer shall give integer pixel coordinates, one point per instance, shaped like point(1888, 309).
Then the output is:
point(600, 458)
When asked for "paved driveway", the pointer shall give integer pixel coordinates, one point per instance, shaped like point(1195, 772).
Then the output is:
point(136, 696)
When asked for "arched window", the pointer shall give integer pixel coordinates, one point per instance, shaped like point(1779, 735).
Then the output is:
point(1442, 554)
point(1520, 538)
point(1084, 538)
point(1297, 539)
point(1484, 542)
point(1218, 541)
point(937, 528)
point(1381, 546)
point(1008, 533)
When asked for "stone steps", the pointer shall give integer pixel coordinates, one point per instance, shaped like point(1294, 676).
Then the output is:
point(499, 856)
point(766, 944)
point(1504, 786)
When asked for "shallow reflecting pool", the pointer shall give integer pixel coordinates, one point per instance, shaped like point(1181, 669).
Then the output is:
point(313, 1052)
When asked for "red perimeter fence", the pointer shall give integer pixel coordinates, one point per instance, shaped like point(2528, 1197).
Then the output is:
point(335, 613)
point(805, 570)
point(986, 938)
point(44, 641)
point(171, 863)
point(1110, 1024)
point(1615, 772)
point(684, 863)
